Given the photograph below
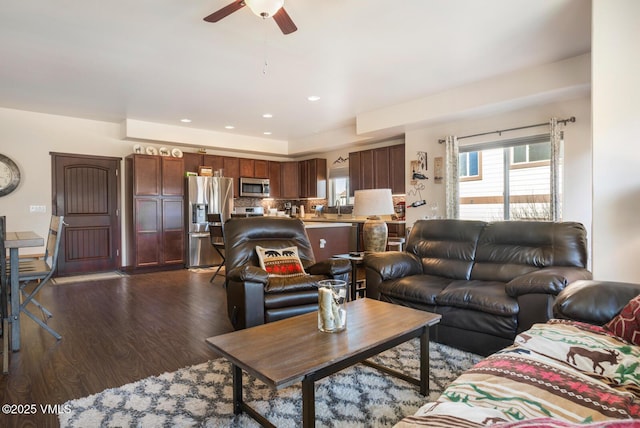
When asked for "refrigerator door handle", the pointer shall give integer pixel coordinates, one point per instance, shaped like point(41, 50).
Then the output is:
point(200, 235)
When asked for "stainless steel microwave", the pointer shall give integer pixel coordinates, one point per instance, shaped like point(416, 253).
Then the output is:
point(254, 187)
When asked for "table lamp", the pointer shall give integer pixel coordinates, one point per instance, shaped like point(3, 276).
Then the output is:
point(373, 203)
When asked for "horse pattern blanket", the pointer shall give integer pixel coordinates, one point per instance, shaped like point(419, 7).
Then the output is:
point(562, 370)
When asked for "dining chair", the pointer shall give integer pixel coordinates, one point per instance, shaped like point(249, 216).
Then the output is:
point(216, 233)
point(41, 270)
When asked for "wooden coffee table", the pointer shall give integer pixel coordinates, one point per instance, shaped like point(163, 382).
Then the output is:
point(292, 350)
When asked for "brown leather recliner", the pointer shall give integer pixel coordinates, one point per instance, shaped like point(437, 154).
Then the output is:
point(253, 296)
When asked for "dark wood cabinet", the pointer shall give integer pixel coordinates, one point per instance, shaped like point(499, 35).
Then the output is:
point(261, 168)
point(313, 178)
point(246, 167)
point(355, 174)
point(275, 182)
point(290, 184)
point(397, 169)
point(231, 168)
point(192, 161)
point(155, 189)
point(254, 168)
point(381, 168)
point(367, 169)
point(215, 162)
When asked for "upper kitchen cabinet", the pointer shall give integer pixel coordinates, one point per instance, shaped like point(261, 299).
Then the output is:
point(290, 182)
point(254, 168)
point(313, 178)
point(275, 174)
point(397, 169)
point(381, 168)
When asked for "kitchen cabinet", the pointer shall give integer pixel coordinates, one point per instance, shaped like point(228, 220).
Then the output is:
point(381, 168)
point(328, 239)
point(290, 183)
point(313, 178)
point(231, 168)
point(254, 168)
point(155, 199)
point(215, 162)
point(275, 182)
point(354, 173)
point(397, 169)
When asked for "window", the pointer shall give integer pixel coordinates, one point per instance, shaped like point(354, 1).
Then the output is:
point(531, 153)
point(470, 166)
point(338, 186)
point(512, 180)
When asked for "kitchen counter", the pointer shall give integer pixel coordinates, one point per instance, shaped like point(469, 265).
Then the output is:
point(319, 224)
point(344, 219)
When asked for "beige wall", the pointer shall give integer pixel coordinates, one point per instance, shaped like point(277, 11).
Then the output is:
point(616, 140)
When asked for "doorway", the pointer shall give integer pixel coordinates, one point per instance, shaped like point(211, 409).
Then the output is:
point(86, 191)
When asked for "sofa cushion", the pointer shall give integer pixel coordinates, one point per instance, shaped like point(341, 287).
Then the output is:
point(627, 323)
point(415, 288)
point(469, 320)
point(484, 296)
point(508, 249)
point(447, 247)
point(288, 284)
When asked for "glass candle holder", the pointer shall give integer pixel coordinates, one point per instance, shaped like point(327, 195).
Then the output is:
point(332, 312)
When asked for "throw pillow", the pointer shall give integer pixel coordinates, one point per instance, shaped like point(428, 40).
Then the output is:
point(282, 262)
point(627, 323)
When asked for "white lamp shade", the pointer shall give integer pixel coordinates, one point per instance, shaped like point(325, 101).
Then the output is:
point(264, 8)
point(373, 202)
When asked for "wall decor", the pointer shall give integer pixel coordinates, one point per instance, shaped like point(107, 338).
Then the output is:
point(438, 164)
point(9, 175)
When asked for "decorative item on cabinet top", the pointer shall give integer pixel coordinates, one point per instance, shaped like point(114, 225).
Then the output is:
point(150, 150)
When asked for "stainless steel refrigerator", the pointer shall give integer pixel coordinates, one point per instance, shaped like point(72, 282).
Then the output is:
point(205, 195)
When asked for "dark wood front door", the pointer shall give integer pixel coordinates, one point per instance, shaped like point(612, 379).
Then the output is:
point(86, 190)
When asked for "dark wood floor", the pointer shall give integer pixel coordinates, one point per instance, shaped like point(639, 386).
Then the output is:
point(113, 332)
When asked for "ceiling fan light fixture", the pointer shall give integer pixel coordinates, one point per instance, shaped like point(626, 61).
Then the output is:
point(264, 8)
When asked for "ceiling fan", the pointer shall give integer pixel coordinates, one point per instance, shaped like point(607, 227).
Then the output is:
point(264, 8)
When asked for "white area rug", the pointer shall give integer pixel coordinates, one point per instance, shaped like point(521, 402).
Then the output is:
point(201, 395)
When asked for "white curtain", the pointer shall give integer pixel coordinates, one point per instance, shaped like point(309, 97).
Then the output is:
point(556, 153)
point(451, 177)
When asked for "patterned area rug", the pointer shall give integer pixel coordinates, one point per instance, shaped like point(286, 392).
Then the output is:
point(201, 395)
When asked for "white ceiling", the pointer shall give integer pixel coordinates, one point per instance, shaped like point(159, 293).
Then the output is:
point(158, 61)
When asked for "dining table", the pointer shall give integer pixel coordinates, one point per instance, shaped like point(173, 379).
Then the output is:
point(13, 242)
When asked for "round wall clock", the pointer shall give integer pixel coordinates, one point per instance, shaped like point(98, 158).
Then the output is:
point(9, 175)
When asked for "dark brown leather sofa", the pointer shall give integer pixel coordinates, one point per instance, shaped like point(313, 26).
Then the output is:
point(254, 297)
point(489, 281)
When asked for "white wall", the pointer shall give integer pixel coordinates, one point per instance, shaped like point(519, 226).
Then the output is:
point(616, 140)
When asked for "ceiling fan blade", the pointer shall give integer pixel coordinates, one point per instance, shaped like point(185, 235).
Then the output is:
point(284, 21)
point(225, 11)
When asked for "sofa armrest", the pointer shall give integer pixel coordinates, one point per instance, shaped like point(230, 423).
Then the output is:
point(389, 265)
point(594, 302)
point(550, 280)
point(330, 267)
point(248, 274)
point(393, 264)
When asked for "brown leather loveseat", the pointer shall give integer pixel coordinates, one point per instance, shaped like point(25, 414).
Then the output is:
point(253, 296)
point(489, 281)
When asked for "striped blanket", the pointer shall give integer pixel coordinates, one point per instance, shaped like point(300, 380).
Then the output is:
point(557, 374)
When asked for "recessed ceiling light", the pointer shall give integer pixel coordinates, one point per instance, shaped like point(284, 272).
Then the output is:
point(185, 120)
point(313, 98)
point(229, 127)
point(267, 132)
point(267, 115)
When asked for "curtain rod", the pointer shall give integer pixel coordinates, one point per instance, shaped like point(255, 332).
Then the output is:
point(499, 132)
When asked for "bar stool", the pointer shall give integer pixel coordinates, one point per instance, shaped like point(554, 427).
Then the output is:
point(395, 243)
